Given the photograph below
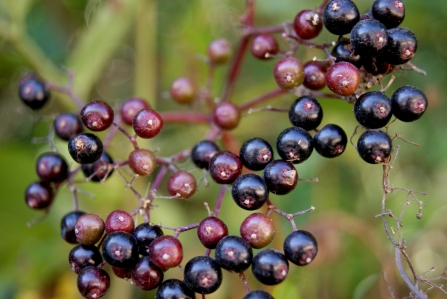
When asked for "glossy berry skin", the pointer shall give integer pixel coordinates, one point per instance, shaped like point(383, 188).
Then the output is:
point(289, 73)
point(258, 294)
point(52, 168)
point(339, 16)
point(67, 125)
point(142, 161)
point(374, 146)
point(408, 103)
point(97, 115)
point(210, 231)
point(82, 256)
point(368, 38)
point(390, 12)
point(174, 289)
point(166, 252)
point(85, 148)
point(373, 110)
point(249, 191)
point(182, 184)
point(314, 73)
point(225, 167)
point(226, 115)
point(219, 51)
point(119, 221)
point(146, 275)
point(202, 153)
point(281, 177)
point(144, 234)
point(401, 47)
point(123, 273)
point(33, 92)
point(130, 108)
point(270, 266)
point(306, 113)
point(68, 223)
point(89, 229)
point(343, 52)
point(39, 195)
point(203, 275)
point(233, 254)
point(183, 90)
point(256, 153)
point(307, 24)
point(330, 141)
point(294, 144)
point(93, 282)
point(343, 78)
point(99, 170)
point(119, 249)
point(258, 230)
point(300, 247)
point(264, 46)
point(147, 123)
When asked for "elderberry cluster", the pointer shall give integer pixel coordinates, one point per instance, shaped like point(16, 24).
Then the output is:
point(142, 253)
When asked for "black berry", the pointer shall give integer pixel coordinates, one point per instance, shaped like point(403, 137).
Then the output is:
point(300, 247)
point(68, 223)
point(373, 110)
point(234, 254)
point(330, 141)
point(225, 167)
point(401, 47)
point(281, 177)
point(98, 170)
point(144, 234)
point(249, 191)
point(67, 125)
point(97, 115)
point(374, 146)
point(340, 16)
point(52, 168)
point(408, 103)
point(33, 92)
point(256, 153)
point(85, 148)
point(174, 289)
point(82, 256)
point(39, 195)
point(390, 12)
point(306, 113)
point(295, 144)
point(120, 249)
point(203, 275)
point(270, 266)
point(202, 153)
point(93, 282)
point(368, 38)
point(146, 275)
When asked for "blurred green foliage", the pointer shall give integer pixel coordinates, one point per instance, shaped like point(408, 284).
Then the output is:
point(124, 48)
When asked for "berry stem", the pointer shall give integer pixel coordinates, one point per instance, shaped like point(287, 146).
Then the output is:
point(263, 30)
point(68, 90)
point(262, 98)
point(185, 117)
point(148, 202)
point(244, 280)
point(219, 200)
point(132, 139)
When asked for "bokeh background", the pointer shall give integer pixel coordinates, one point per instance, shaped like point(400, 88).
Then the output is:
point(124, 48)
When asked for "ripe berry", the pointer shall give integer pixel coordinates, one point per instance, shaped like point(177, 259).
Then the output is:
point(258, 230)
point(52, 168)
point(67, 125)
point(314, 73)
point(89, 229)
point(203, 275)
point(408, 103)
point(147, 123)
point(307, 24)
point(373, 110)
point(120, 249)
point(270, 266)
point(226, 115)
point(340, 16)
point(144, 234)
point(93, 282)
point(182, 184)
point(183, 90)
point(256, 153)
point(374, 146)
point(210, 231)
point(390, 12)
point(219, 51)
point(85, 148)
point(68, 223)
point(330, 141)
point(166, 252)
point(97, 115)
point(306, 113)
point(289, 73)
point(258, 294)
point(249, 191)
point(343, 78)
point(123, 273)
point(39, 195)
point(119, 221)
point(82, 256)
point(202, 153)
point(343, 52)
point(264, 46)
point(33, 92)
point(401, 47)
point(294, 144)
point(130, 108)
point(280, 176)
point(234, 254)
point(300, 247)
point(99, 170)
point(225, 167)
point(142, 161)
point(174, 289)
point(368, 38)
point(146, 275)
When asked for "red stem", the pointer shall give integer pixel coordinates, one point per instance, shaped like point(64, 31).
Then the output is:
point(219, 200)
point(262, 98)
point(185, 117)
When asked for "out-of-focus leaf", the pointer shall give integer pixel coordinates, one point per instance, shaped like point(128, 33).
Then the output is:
point(364, 286)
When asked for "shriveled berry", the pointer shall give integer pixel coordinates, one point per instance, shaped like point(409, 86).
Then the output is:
point(174, 289)
point(270, 266)
point(203, 275)
point(219, 51)
point(85, 148)
point(330, 141)
point(343, 78)
point(307, 24)
point(166, 252)
point(67, 125)
point(233, 254)
point(390, 12)
point(68, 223)
point(39, 195)
point(97, 115)
point(249, 191)
point(264, 46)
point(339, 16)
point(306, 113)
point(144, 234)
point(52, 168)
point(294, 144)
point(300, 247)
point(182, 184)
point(146, 275)
point(258, 230)
point(130, 108)
point(368, 38)
point(142, 161)
point(289, 73)
point(373, 110)
point(183, 90)
point(99, 170)
point(280, 176)
point(202, 153)
point(119, 221)
point(89, 229)
point(226, 115)
point(256, 153)
point(225, 167)
point(210, 231)
point(93, 282)
point(82, 256)
point(374, 146)
point(120, 249)
point(33, 92)
point(408, 103)
point(147, 123)
point(314, 73)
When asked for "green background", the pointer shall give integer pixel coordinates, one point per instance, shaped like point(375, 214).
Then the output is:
point(124, 48)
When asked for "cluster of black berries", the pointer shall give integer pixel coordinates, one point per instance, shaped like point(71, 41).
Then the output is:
point(143, 253)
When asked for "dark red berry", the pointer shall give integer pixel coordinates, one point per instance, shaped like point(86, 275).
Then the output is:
point(401, 46)
point(146, 275)
point(314, 75)
point(369, 38)
point(174, 289)
point(256, 153)
point(82, 256)
point(408, 103)
point(67, 125)
point(233, 254)
point(374, 146)
point(68, 223)
point(182, 184)
point(147, 123)
point(258, 230)
point(123, 273)
point(97, 115)
point(219, 51)
point(210, 231)
point(289, 73)
point(89, 229)
point(375, 66)
point(340, 16)
point(52, 168)
point(202, 153)
point(306, 113)
point(270, 266)
point(85, 148)
point(225, 167)
point(130, 108)
point(142, 161)
point(373, 110)
point(99, 170)
point(33, 92)
point(119, 249)
point(226, 115)
point(144, 234)
point(343, 52)
point(294, 144)
point(119, 221)
point(307, 24)
point(300, 247)
point(343, 78)
point(39, 195)
point(203, 275)
point(264, 46)
point(258, 294)
point(183, 90)
point(280, 176)
point(166, 252)
point(249, 191)
point(330, 141)
point(93, 282)
point(390, 12)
